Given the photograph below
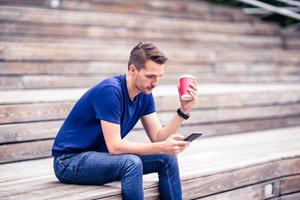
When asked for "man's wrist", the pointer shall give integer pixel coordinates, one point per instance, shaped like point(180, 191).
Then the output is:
point(182, 114)
point(185, 110)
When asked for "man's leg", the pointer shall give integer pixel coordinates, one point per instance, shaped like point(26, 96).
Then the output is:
point(95, 168)
point(168, 172)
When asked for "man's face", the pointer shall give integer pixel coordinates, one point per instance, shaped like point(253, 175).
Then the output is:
point(148, 77)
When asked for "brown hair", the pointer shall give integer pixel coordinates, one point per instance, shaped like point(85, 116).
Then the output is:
point(143, 52)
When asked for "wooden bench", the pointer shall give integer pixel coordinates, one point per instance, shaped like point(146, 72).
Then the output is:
point(256, 165)
point(80, 43)
point(30, 119)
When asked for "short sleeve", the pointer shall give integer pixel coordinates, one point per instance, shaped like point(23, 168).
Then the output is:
point(150, 108)
point(107, 104)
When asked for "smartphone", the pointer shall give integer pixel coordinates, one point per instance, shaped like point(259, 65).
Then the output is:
point(192, 137)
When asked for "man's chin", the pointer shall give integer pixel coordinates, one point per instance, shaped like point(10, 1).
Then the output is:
point(148, 90)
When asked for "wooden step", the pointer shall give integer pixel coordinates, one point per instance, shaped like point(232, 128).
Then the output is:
point(58, 111)
point(97, 35)
point(31, 118)
point(236, 166)
point(108, 68)
point(13, 51)
point(78, 81)
point(117, 20)
point(200, 10)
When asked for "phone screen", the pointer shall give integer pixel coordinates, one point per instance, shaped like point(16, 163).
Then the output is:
point(192, 137)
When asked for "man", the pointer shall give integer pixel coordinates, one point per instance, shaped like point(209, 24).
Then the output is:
point(89, 148)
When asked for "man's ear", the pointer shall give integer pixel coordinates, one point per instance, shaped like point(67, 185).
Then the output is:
point(131, 68)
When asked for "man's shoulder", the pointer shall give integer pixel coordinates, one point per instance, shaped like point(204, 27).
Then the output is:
point(108, 86)
point(111, 82)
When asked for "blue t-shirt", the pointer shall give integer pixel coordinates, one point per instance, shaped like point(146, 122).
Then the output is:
point(109, 100)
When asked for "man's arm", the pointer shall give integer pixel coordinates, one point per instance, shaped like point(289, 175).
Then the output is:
point(153, 127)
point(116, 145)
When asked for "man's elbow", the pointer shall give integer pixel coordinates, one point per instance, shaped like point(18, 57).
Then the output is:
point(114, 150)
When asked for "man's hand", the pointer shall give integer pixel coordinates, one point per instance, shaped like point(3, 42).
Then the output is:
point(174, 144)
point(187, 105)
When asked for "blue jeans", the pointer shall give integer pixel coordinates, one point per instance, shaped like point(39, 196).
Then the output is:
point(97, 168)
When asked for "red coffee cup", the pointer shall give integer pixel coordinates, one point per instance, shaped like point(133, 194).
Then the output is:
point(184, 83)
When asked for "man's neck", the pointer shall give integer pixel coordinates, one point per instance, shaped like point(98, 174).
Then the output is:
point(132, 90)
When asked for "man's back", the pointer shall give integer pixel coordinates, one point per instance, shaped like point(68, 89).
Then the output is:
point(108, 101)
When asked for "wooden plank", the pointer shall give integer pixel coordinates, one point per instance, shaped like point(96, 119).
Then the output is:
point(92, 34)
point(295, 196)
point(212, 184)
point(290, 168)
point(197, 9)
point(117, 20)
point(292, 43)
point(47, 130)
point(25, 151)
point(74, 68)
point(10, 82)
point(211, 95)
point(125, 8)
point(34, 112)
point(219, 115)
point(101, 67)
point(64, 190)
point(256, 160)
point(290, 184)
point(37, 149)
point(225, 128)
point(59, 110)
point(12, 133)
point(83, 52)
point(70, 81)
point(247, 193)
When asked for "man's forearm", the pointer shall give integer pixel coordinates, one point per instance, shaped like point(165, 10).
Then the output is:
point(125, 146)
point(171, 128)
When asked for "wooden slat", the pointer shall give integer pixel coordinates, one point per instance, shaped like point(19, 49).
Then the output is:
point(205, 178)
point(295, 196)
point(117, 20)
point(210, 95)
point(34, 112)
point(219, 115)
point(56, 111)
point(87, 68)
point(290, 185)
point(225, 128)
point(25, 151)
point(246, 193)
point(80, 52)
point(69, 68)
point(77, 81)
point(29, 131)
point(92, 34)
point(195, 10)
point(47, 130)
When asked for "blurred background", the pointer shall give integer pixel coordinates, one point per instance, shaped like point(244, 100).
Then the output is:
point(53, 50)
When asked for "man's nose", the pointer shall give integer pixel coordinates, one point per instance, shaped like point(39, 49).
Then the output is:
point(155, 82)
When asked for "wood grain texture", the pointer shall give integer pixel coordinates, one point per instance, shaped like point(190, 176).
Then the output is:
point(25, 151)
point(118, 20)
point(290, 184)
point(189, 10)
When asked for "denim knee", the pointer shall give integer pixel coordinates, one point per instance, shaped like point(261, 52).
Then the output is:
point(170, 161)
point(133, 162)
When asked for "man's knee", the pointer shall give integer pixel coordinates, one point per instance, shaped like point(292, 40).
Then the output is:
point(133, 163)
point(170, 161)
